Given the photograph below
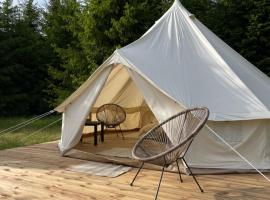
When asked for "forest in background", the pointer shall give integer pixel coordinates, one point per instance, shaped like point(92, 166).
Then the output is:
point(46, 53)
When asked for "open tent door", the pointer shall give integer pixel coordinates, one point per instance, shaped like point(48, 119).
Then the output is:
point(120, 89)
point(119, 84)
point(137, 96)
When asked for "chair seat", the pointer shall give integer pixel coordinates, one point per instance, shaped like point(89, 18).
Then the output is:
point(92, 123)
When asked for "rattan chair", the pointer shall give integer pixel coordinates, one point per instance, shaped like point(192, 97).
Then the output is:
point(112, 116)
point(169, 141)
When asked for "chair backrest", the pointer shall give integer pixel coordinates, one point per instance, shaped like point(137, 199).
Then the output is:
point(183, 127)
point(173, 137)
point(185, 124)
point(111, 114)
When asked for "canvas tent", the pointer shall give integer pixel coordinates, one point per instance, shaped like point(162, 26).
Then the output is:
point(179, 63)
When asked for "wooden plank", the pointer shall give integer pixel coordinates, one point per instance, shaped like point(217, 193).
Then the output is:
point(39, 172)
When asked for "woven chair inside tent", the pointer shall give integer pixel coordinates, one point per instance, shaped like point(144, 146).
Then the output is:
point(169, 141)
point(112, 115)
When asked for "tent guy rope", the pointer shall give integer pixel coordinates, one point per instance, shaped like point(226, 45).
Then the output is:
point(234, 150)
point(41, 129)
point(25, 123)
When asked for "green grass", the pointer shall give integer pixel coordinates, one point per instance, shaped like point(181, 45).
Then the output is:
point(23, 137)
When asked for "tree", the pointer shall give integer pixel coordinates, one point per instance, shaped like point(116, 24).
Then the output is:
point(23, 61)
point(83, 36)
point(244, 25)
point(105, 29)
point(256, 43)
point(68, 67)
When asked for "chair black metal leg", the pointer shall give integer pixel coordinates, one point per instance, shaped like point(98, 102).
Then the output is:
point(121, 132)
point(102, 132)
point(179, 171)
point(160, 181)
point(116, 131)
point(192, 175)
point(131, 184)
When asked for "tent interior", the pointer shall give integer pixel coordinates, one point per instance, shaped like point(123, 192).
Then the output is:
point(120, 89)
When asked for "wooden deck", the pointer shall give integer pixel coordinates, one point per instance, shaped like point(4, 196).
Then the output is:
point(38, 172)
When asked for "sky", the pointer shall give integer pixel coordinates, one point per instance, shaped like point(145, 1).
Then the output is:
point(41, 3)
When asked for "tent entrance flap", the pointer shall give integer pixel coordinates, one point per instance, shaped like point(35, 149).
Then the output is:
point(75, 115)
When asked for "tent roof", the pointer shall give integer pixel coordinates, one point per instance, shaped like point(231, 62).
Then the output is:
point(191, 65)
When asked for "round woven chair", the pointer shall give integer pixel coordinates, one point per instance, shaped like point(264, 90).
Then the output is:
point(112, 116)
point(169, 141)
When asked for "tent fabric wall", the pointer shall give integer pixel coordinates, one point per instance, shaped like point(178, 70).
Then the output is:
point(249, 137)
point(161, 105)
point(254, 79)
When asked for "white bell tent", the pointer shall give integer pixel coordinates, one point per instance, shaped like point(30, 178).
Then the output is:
point(179, 63)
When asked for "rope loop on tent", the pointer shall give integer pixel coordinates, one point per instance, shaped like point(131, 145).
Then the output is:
point(235, 151)
point(41, 129)
point(25, 123)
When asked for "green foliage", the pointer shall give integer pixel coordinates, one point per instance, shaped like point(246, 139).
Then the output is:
point(23, 59)
point(92, 32)
point(105, 29)
point(69, 68)
point(256, 42)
